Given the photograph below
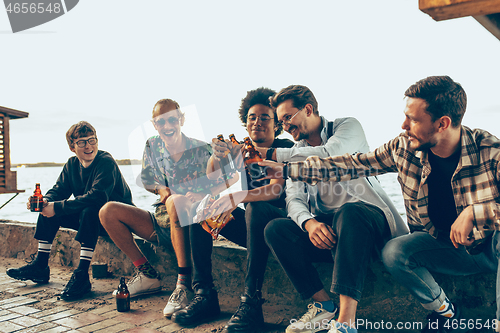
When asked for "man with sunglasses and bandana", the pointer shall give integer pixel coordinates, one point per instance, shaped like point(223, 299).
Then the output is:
point(93, 178)
point(344, 222)
point(263, 200)
point(173, 167)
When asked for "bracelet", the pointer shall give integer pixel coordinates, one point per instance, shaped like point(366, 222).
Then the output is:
point(269, 154)
point(285, 170)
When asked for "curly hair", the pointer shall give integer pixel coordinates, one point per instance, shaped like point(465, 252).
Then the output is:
point(258, 96)
point(300, 96)
point(443, 96)
point(79, 130)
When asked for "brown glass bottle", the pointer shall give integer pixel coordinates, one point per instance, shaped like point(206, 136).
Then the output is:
point(226, 161)
point(122, 297)
point(251, 158)
point(221, 138)
point(233, 140)
point(36, 200)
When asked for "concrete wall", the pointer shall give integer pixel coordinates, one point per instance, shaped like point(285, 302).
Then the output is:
point(383, 298)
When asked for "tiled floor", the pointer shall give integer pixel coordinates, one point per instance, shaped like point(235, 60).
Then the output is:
point(29, 307)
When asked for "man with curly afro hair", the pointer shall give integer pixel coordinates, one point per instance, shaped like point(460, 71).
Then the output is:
point(263, 201)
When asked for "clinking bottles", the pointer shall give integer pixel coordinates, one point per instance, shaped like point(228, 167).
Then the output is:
point(233, 140)
point(251, 158)
point(122, 297)
point(36, 200)
point(226, 160)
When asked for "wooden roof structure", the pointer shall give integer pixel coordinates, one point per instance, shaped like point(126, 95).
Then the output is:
point(486, 12)
point(8, 180)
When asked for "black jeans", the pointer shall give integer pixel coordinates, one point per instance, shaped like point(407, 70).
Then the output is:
point(258, 215)
point(361, 230)
point(249, 234)
point(86, 223)
point(202, 242)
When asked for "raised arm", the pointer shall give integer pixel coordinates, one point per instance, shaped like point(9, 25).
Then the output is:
point(348, 137)
point(336, 168)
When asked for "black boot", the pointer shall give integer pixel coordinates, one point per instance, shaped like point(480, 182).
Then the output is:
point(78, 286)
point(248, 318)
point(204, 306)
point(34, 271)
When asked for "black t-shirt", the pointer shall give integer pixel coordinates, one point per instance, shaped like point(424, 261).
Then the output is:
point(442, 209)
point(252, 184)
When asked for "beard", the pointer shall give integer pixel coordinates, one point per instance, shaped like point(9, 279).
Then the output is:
point(431, 142)
point(425, 146)
point(300, 135)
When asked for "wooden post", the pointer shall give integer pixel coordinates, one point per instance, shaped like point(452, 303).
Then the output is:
point(8, 180)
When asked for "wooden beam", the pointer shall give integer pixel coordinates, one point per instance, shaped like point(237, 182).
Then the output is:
point(13, 113)
point(449, 9)
point(491, 23)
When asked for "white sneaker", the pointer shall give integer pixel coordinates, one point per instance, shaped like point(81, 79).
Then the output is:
point(178, 300)
point(314, 320)
point(140, 285)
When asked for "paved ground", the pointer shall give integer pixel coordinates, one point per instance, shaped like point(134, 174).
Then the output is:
point(29, 307)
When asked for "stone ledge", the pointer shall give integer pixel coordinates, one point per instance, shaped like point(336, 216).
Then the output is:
point(383, 298)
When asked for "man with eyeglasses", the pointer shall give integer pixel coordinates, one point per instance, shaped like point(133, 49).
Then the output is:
point(173, 167)
point(344, 222)
point(93, 178)
point(263, 200)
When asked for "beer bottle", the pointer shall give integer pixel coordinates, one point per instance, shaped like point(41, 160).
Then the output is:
point(233, 140)
point(36, 200)
point(251, 158)
point(226, 160)
point(122, 297)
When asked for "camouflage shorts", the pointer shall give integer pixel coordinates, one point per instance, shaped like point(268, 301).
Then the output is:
point(161, 224)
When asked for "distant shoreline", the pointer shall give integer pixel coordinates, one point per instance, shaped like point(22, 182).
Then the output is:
point(54, 164)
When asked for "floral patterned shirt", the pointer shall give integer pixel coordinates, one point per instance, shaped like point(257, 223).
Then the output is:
point(188, 174)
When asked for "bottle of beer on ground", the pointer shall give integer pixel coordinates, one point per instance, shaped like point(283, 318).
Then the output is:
point(251, 158)
point(122, 297)
point(36, 200)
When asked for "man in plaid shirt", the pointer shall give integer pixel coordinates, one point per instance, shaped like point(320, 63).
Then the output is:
point(449, 177)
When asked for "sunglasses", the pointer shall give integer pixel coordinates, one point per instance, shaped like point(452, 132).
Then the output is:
point(158, 121)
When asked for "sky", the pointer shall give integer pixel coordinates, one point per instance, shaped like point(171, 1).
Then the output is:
point(108, 62)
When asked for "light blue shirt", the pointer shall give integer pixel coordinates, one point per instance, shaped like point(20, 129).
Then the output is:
point(326, 197)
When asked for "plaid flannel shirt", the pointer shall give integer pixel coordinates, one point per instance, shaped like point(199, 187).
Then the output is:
point(474, 182)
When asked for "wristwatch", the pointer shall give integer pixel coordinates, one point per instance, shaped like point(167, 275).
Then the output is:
point(285, 170)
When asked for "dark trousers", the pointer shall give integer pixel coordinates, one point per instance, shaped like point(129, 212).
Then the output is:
point(201, 247)
point(86, 223)
point(248, 234)
point(361, 230)
point(258, 215)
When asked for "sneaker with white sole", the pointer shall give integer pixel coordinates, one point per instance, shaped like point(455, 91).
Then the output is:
point(141, 285)
point(178, 300)
point(314, 320)
point(337, 327)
